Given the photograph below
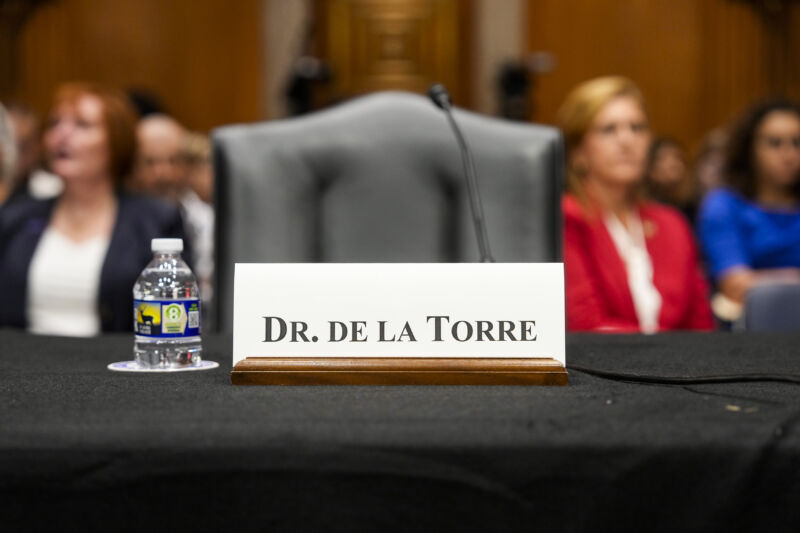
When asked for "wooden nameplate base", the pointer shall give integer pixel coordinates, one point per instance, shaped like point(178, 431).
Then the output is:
point(397, 371)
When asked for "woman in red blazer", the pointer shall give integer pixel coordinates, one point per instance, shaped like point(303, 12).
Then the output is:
point(631, 265)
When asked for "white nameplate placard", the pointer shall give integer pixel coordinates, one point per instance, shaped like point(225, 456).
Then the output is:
point(497, 310)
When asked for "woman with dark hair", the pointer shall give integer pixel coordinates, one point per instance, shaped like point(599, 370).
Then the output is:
point(68, 265)
point(630, 264)
point(750, 229)
point(667, 178)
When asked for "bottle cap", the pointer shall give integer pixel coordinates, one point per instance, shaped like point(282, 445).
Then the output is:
point(166, 245)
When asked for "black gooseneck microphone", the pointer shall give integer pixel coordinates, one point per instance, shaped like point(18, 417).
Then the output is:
point(439, 95)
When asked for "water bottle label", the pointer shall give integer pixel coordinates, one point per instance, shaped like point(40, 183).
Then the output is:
point(166, 318)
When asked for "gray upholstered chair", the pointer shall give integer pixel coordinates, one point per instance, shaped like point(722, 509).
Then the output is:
point(380, 179)
point(773, 307)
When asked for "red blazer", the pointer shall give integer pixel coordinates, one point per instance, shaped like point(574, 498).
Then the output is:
point(598, 297)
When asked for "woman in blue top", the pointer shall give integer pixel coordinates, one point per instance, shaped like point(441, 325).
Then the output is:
point(750, 229)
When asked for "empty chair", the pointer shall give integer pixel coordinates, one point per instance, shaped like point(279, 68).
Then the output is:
point(773, 307)
point(380, 179)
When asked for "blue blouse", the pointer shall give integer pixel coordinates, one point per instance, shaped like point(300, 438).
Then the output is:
point(734, 231)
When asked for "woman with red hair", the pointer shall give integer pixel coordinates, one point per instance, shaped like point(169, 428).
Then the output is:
point(68, 265)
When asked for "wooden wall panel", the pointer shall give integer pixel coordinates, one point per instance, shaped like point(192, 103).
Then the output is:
point(793, 59)
point(374, 45)
point(699, 62)
point(733, 58)
point(202, 57)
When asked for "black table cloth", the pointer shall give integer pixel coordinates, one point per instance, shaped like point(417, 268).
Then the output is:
point(86, 449)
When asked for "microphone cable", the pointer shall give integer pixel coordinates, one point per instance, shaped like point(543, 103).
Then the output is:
point(686, 380)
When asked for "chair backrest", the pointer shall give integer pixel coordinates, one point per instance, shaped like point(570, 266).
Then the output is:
point(380, 179)
point(773, 307)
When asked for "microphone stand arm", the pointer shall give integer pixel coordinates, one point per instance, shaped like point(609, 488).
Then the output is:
point(472, 188)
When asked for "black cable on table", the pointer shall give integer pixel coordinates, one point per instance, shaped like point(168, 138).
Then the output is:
point(686, 380)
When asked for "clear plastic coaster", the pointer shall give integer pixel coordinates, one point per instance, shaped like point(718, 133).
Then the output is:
point(133, 366)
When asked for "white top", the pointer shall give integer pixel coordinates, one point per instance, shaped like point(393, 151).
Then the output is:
point(199, 219)
point(632, 249)
point(63, 285)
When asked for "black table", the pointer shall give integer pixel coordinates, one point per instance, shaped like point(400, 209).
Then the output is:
point(82, 448)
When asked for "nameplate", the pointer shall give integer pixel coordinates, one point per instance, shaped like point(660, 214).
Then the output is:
point(408, 310)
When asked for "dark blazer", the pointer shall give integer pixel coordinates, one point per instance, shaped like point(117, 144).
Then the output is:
point(139, 219)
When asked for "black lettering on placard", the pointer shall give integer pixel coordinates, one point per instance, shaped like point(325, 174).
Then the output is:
point(269, 330)
point(342, 331)
point(454, 331)
point(407, 333)
point(357, 331)
point(437, 326)
point(526, 326)
point(507, 329)
point(382, 332)
point(485, 329)
point(299, 330)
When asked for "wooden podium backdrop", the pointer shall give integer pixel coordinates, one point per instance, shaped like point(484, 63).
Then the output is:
point(374, 45)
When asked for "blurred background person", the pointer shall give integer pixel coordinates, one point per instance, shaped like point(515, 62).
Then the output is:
point(196, 202)
point(145, 102)
point(709, 161)
point(68, 265)
point(8, 155)
point(630, 265)
point(667, 178)
point(197, 151)
point(750, 229)
point(162, 169)
point(30, 179)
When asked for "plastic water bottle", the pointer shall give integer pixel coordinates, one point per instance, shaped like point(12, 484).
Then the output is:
point(166, 308)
